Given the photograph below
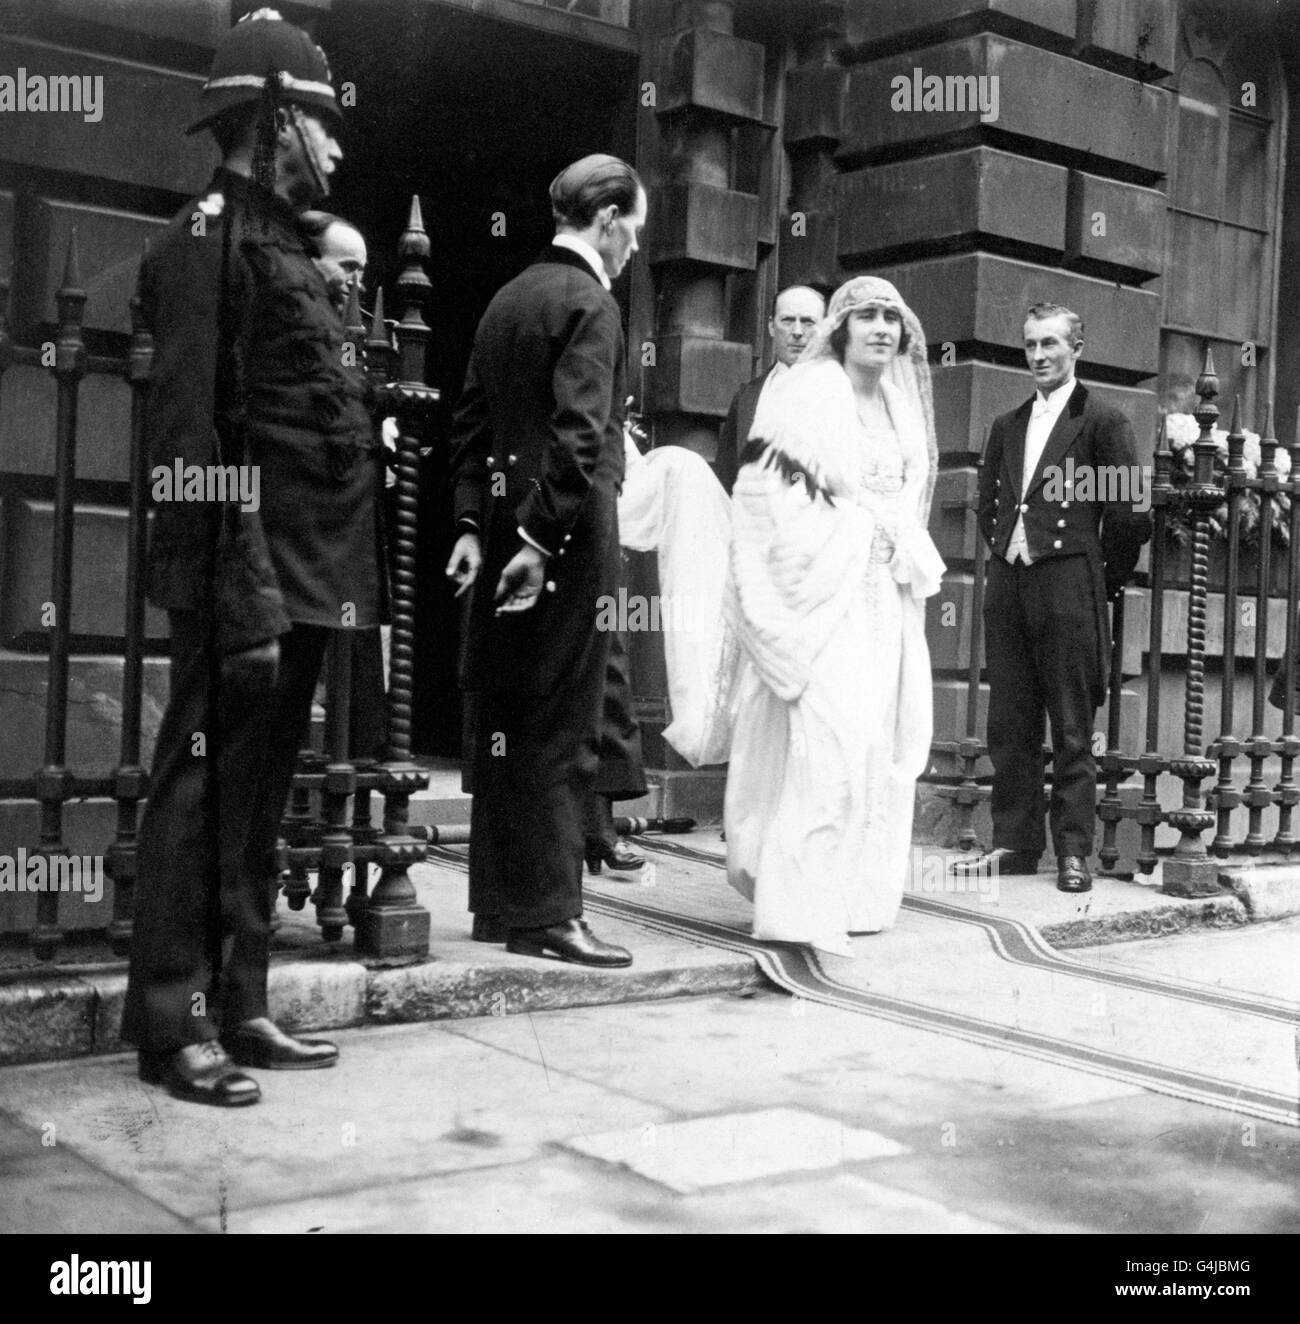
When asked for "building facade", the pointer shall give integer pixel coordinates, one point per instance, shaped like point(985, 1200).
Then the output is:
point(1129, 158)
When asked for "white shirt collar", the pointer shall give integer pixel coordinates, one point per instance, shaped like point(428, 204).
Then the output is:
point(584, 250)
point(1056, 400)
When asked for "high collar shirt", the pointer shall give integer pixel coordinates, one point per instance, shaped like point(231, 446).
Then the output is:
point(585, 251)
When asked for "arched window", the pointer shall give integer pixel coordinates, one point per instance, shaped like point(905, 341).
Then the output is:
point(1224, 194)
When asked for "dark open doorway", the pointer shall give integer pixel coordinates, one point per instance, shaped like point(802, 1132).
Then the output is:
point(476, 115)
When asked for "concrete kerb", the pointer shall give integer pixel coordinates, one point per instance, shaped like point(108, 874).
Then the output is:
point(68, 1014)
point(45, 1019)
point(1266, 891)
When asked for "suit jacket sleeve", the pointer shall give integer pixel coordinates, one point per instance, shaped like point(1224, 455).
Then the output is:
point(583, 386)
point(471, 442)
point(727, 465)
point(195, 416)
point(1123, 529)
point(990, 472)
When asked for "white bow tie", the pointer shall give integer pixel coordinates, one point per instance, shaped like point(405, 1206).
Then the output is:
point(1041, 407)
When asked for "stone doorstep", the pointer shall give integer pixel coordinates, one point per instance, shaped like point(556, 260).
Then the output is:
point(75, 1015)
point(70, 1014)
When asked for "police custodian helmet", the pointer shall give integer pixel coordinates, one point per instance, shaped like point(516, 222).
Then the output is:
point(262, 43)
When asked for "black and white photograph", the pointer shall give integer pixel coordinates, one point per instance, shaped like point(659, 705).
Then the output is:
point(650, 617)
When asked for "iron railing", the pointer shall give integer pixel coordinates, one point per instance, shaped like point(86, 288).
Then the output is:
point(387, 920)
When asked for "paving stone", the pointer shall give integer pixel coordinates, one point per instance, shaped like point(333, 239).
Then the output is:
point(736, 1147)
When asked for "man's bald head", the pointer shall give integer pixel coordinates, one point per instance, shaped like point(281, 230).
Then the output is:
point(795, 315)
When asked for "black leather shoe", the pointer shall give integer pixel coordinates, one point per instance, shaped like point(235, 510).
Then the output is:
point(201, 1073)
point(261, 1043)
point(1072, 874)
point(570, 941)
point(1000, 862)
point(489, 928)
point(617, 856)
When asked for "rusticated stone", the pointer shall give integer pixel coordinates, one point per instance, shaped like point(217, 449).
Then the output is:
point(94, 712)
point(874, 20)
point(89, 827)
point(969, 395)
point(697, 375)
point(1141, 31)
point(1090, 110)
point(109, 244)
point(710, 70)
point(132, 95)
point(1118, 224)
point(99, 555)
point(809, 249)
point(980, 297)
point(979, 191)
point(814, 103)
point(194, 22)
point(952, 516)
point(27, 412)
point(704, 223)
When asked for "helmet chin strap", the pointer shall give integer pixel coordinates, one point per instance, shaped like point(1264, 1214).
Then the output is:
point(309, 154)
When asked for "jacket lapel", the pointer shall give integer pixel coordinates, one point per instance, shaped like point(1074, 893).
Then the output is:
point(1066, 429)
point(1014, 454)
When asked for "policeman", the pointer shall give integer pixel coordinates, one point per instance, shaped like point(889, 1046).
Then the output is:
point(248, 372)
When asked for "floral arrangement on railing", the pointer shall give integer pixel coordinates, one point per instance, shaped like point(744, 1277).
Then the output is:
point(1182, 431)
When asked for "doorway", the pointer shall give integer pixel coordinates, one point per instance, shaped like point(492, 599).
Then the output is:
point(476, 115)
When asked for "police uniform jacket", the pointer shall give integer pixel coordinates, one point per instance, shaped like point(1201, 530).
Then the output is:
point(248, 369)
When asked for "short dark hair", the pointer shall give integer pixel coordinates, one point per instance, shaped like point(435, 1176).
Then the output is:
point(582, 189)
point(839, 338)
point(1039, 311)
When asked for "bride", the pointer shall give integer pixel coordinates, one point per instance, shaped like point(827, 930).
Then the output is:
point(830, 568)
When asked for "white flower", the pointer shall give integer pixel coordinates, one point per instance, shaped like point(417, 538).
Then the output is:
point(1181, 429)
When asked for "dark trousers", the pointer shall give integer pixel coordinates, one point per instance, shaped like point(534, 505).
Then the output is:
point(1043, 658)
point(534, 770)
point(368, 708)
point(206, 861)
point(621, 772)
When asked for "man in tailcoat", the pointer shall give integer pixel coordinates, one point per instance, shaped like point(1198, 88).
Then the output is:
point(795, 314)
point(537, 464)
point(1058, 553)
point(248, 376)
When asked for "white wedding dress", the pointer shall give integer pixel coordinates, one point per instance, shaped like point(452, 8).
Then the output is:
point(673, 503)
point(833, 712)
point(808, 665)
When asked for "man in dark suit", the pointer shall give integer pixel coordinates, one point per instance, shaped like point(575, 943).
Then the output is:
point(1062, 506)
point(247, 376)
point(795, 315)
point(536, 467)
